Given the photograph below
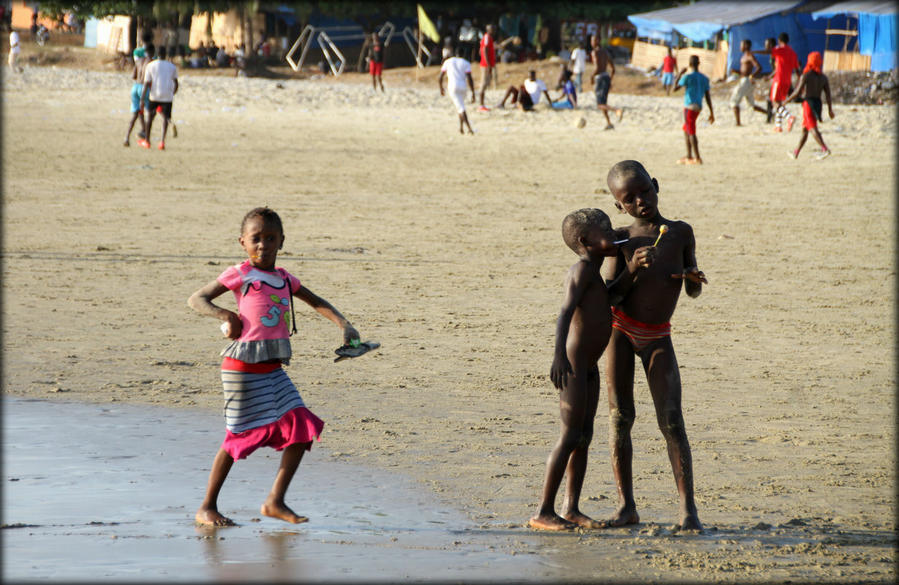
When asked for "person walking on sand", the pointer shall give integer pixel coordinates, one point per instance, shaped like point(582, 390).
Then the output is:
point(457, 71)
point(262, 406)
point(139, 101)
point(602, 80)
point(811, 83)
point(785, 64)
point(582, 332)
point(160, 87)
point(644, 282)
point(578, 61)
point(696, 86)
point(488, 63)
point(749, 67)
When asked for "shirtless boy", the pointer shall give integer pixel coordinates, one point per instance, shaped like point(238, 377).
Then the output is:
point(811, 83)
point(644, 282)
point(749, 67)
point(582, 332)
point(602, 80)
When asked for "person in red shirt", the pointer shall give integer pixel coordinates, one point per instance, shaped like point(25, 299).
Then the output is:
point(785, 64)
point(488, 62)
point(669, 68)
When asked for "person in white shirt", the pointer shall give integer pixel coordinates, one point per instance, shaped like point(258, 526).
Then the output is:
point(14, 50)
point(579, 65)
point(527, 95)
point(160, 86)
point(458, 71)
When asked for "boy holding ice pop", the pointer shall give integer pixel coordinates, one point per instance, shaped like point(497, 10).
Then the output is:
point(644, 282)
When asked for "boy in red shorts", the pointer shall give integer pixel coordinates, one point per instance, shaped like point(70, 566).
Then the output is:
point(696, 86)
point(811, 84)
point(376, 61)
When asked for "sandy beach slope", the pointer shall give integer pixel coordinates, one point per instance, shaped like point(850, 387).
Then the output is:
point(447, 250)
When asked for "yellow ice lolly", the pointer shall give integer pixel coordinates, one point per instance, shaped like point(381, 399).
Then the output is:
point(662, 229)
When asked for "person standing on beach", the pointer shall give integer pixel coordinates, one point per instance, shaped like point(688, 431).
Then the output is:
point(376, 61)
point(457, 70)
point(696, 86)
point(14, 50)
point(582, 333)
point(602, 80)
point(488, 63)
point(811, 84)
point(669, 67)
point(578, 62)
point(160, 87)
point(645, 280)
point(262, 406)
point(749, 67)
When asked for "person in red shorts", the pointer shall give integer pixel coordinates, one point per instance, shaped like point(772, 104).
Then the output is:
point(785, 63)
point(488, 63)
point(696, 87)
point(376, 61)
point(811, 84)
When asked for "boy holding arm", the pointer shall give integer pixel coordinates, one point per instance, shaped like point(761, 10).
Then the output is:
point(644, 282)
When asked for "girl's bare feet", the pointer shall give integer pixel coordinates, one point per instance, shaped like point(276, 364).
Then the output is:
point(280, 511)
point(550, 522)
point(212, 517)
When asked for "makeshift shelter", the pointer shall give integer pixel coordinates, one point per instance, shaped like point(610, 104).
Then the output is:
point(868, 34)
point(721, 26)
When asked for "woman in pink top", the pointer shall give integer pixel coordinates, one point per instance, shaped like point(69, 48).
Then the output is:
point(262, 406)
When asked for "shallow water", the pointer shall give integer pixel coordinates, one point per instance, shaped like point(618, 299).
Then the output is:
point(108, 492)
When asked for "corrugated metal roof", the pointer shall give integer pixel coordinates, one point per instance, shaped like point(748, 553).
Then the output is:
point(877, 7)
point(720, 12)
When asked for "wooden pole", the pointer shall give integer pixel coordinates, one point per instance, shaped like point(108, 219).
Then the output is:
point(418, 57)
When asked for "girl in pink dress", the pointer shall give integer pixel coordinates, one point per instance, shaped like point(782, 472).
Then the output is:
point(262, 406)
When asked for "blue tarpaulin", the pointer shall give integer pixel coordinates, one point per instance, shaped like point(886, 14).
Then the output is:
point(876, 29)
point(756, 21)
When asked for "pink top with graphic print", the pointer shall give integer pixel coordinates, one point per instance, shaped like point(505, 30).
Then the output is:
point(263, 300)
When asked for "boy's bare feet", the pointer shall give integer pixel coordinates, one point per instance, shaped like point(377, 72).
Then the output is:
point(280, 511)
point(212, 517)
point(683, 161)
point(550, 522)
point(624, 517)
point(690, 522)
point(583, 520)
point(620, 113)
point(694, 161)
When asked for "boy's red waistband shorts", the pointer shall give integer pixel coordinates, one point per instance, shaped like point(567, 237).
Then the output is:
point(809, 120)
point(690, 117)
point(375, 68)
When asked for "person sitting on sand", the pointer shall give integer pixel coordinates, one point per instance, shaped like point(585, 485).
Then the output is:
point(811, 83)
point(568, 99)
point(696, 86)
point(644, 282)
point(527, 95)
point(262, 406)
point(582, 332)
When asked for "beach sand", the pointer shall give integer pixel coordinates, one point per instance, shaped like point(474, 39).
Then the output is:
point(447, 250)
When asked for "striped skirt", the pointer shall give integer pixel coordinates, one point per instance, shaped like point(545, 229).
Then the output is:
point(265, 410)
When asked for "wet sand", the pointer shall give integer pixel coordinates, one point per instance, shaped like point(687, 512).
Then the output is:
point(447, 250)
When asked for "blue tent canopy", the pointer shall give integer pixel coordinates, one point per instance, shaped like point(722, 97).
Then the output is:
point(702, 20)
point(755, 21)
point(876, 29)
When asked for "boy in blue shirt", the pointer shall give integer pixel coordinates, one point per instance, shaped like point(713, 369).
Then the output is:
point(696, 85)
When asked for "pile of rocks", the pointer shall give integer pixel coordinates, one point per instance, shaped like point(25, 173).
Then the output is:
point(864, 87)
